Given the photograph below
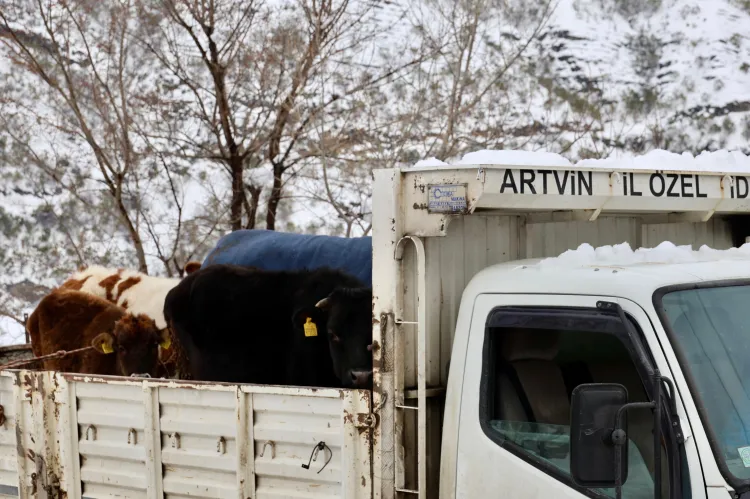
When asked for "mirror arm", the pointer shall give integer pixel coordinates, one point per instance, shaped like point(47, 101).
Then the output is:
point(618, 439)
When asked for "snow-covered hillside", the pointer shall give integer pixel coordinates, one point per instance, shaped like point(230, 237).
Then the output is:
point(589, 79)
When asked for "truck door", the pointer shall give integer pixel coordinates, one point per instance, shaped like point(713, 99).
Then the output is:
point(525, 355)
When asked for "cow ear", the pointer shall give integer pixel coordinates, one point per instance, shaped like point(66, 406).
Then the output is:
point(309, 319)
point(165, 338)
point(104, 343)
point(191, 267)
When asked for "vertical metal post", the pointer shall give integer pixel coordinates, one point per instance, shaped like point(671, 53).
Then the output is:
point(421, 361)
point(152, 441)
point(245, 443)
point(386, 231)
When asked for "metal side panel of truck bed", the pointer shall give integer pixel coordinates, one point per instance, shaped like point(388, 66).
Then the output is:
point(78, 436)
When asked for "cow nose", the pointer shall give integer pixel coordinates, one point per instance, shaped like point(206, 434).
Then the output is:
point(361, 378)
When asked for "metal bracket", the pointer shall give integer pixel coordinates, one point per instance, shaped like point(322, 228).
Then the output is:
point(366, 420)
point(132, 436)
point(91, 432)
point(175, 440)
point(273, 449)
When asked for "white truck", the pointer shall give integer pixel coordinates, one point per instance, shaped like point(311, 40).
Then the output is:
point(493, 377)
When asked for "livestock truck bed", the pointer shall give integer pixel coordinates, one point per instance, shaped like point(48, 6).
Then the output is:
point(433, 230)
point(65, 435)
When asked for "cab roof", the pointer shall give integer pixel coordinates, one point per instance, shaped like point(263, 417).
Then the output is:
point(621, 279)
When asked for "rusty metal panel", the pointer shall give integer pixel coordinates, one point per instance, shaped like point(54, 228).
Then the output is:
point(286, 432)
point(198, 431)
point(97, 437)
point(8, 448)
point(110, 420)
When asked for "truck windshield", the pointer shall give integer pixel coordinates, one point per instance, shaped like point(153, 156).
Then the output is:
point(711, 327)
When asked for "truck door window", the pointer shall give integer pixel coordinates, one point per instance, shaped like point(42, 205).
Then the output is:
point(529, 374)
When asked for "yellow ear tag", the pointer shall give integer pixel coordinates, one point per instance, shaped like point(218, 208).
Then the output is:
point(166, 343)
point(310, 328)
point(106, 348)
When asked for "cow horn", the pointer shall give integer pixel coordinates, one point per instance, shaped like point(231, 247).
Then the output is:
point(323, 303)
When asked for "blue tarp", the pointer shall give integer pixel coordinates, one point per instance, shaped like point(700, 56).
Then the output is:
point(271, 250)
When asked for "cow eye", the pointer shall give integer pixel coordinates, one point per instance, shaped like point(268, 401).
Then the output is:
point(334, 337)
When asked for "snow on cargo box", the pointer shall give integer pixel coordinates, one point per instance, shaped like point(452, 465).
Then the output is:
point(115, 437)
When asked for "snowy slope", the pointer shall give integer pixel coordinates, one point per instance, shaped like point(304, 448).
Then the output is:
point(695, 54)
point(672, 74)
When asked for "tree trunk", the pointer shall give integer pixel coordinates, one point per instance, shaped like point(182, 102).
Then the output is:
point(238, 195)
point(274, 198)
point(252, 206)
point(135, 238)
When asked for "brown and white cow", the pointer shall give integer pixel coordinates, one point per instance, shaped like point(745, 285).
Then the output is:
point(137, 293)
point(124, 344)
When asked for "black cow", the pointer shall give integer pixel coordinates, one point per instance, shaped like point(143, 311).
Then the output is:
point(306, 328)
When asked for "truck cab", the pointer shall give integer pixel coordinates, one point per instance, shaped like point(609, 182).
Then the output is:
point(529, 335)
point(513, 363)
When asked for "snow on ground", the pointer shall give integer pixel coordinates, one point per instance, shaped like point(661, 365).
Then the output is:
point(623, 254)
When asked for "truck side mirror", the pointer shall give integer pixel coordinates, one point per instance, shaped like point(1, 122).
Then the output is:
point(595, 437)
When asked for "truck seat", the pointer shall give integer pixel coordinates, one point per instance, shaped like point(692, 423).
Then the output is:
point(528, 366)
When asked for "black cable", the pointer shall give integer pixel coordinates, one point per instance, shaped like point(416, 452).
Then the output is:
point(320, 446)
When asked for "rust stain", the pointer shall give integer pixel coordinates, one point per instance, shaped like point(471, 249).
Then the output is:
point(19, 441)
point(28, 385)
point(348, 417)
point(127, 284)
point(108, 283)
point(375, 346)
point(364, 481)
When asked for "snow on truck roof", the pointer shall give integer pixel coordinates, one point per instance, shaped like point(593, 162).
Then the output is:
point(616, 270)
point(522, 181)
point(721, 161)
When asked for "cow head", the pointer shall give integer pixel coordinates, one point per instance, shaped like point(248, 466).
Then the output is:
point(135, 342)
point(345, 316)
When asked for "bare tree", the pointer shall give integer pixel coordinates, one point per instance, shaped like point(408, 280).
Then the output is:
point(253, 95)
point(93, 77)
